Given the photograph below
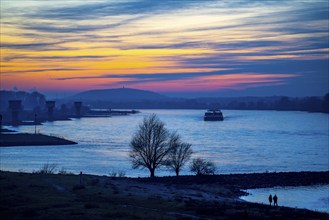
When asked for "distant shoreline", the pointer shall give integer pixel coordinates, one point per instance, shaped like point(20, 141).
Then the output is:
point(24, 139)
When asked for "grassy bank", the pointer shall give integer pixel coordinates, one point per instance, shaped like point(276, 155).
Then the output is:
point(38, 196)
point(7, 140)
point(250, 181)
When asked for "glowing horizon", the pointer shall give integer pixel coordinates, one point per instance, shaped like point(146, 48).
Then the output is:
point(167, 46)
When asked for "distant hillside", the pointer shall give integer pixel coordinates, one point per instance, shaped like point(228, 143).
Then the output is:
point(139, 99)
point(119, 95)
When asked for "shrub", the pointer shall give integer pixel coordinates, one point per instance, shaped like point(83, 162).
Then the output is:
point(201, 166)
point(63, 171)
point(47, 169)
point(121, 174)
point(113, 174)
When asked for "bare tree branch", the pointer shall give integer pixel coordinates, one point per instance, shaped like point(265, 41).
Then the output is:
point(149, 146)
point(179, 154)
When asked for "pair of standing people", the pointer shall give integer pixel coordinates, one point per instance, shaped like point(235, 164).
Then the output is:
point(274, 199)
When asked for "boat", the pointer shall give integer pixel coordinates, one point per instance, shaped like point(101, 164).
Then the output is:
point(213, 115)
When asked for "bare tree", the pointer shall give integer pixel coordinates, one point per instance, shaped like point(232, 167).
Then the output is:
point(149, 145)
point(201, 166)
point(179, 153)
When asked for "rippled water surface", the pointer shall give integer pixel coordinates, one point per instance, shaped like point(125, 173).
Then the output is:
point(312, 197)
point(245, 142)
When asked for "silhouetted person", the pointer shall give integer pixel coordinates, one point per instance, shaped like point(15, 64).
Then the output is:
point(275, 200)
point(270, 199)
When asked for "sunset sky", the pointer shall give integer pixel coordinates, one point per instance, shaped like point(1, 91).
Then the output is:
point(181, 48)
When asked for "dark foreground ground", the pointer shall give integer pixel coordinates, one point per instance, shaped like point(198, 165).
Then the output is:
point(59, 196)
point(7, 140)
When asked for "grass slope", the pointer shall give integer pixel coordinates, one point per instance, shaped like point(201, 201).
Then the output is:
point(40, 196)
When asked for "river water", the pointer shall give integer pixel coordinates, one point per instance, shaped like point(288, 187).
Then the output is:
point(245, 142)
point(310, 197)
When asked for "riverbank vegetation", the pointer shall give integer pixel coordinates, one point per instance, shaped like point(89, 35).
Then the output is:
point(40, 195)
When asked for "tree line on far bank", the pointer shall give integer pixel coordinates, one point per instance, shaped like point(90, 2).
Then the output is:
point(279, 103)
point(36, 100)
point(153, 146)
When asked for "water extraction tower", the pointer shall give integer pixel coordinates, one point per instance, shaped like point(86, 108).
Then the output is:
point(50, 107)
point(77, 106)
point(15, 107)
